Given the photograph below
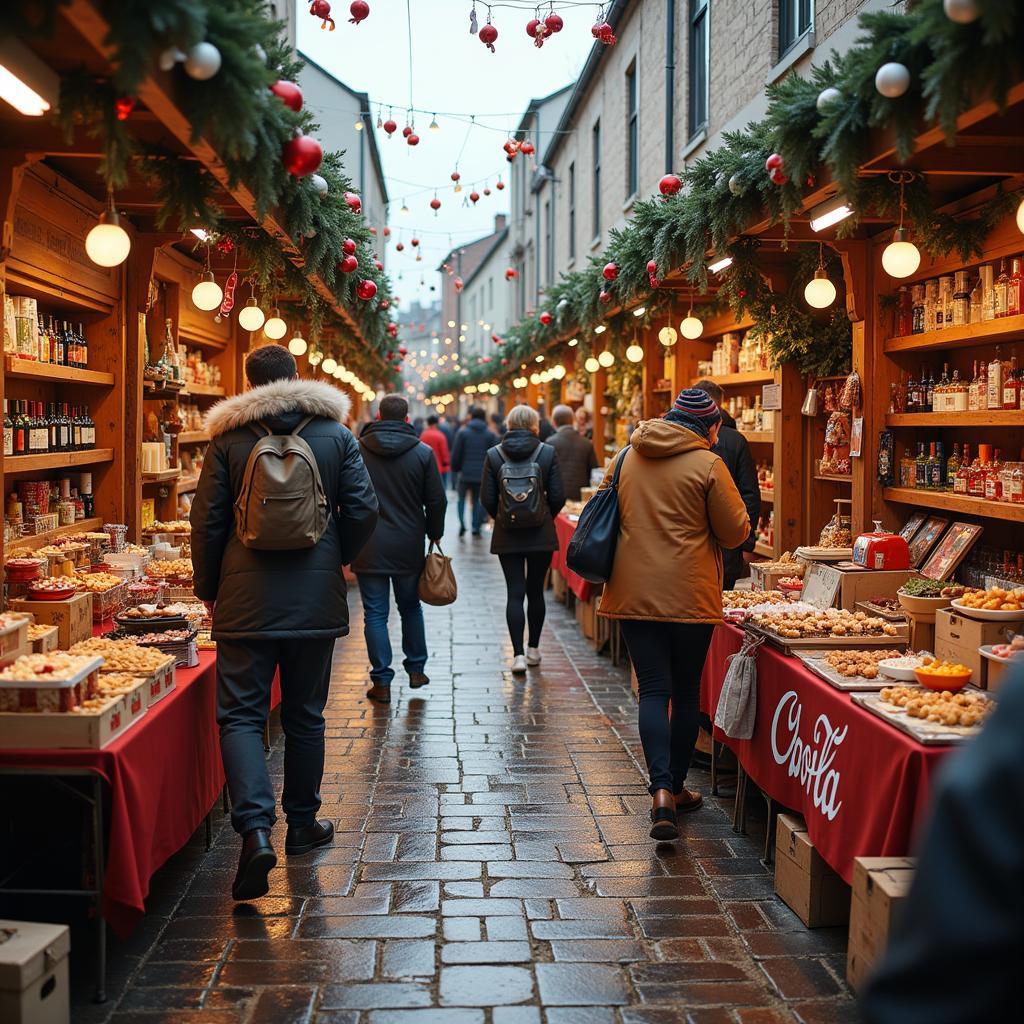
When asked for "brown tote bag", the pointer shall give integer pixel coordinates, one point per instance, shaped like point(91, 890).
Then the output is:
point(437, 581)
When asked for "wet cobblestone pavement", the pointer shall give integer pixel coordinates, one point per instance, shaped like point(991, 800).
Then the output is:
point(492, 866)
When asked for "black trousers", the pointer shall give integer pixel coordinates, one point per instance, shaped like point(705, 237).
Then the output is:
point(524, 580)
point(245, 672)
point(669, 659)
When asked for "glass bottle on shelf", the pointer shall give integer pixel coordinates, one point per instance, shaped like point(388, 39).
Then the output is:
point(8, 430)
point(941, 395)
point(956, 401)
point(993, 478)
point(1017, 483)
point(1013, 293)
point(931, 302)
point(929, 401)
point(83, 344)
point(953, 467)
point(944, 308)
point(961, 299)
point(1002, 288)
point(977, 302)
point(995, 381)
point(935, 467)
point(987, 273)
point(917, 309)
point(921, 467)
point(976, 478)
point(1011, 385)
point(904, 313)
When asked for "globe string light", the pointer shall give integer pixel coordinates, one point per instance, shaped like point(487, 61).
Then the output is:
point(901, 258)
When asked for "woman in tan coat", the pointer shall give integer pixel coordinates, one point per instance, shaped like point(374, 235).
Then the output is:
point(678, 509)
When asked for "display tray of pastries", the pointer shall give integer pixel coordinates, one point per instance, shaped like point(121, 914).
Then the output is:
point(930, 716)
point(884, 607)
point(829, 627)
point(786, 564)
point(123, 655)
point(849, 669)
point(97, 582)
point(170, 569)
point(53, 669)
point(997, 604)
point(172, 526)
point(733, 599)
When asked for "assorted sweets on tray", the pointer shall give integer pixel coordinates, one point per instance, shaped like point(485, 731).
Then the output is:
point(829, 622)
point(942, 707)
point(740, 599)
point(173, 526)
point(996, 599)
point(122, 655)
point(171, 569)
point(859, 663)
point(786, 564)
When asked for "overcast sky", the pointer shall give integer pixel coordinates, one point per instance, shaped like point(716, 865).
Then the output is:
point(452, 71)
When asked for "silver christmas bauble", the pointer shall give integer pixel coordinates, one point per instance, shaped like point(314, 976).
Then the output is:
point(735, 185)
point(892, 80)
point(963, 12)
point(202, 62)
point(319, 183)
point(826, 98)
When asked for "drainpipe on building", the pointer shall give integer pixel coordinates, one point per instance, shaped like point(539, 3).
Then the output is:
point(670, 83)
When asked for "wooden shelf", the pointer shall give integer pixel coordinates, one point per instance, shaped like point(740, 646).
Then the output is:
point(205, 390)
point(193, 437)
point(40, 540)
point(955, 503)
point(56, 460)
point(987, 333)
point(188, 483)
point(156, 389)
point(979, 418)
point(747, 377)
point(759, 436)
point(764, 550)
point(30, 369)
point(163, 477)
point(837, 478)
point(768, 497)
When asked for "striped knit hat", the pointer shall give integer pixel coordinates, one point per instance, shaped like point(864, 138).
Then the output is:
point(698, 404)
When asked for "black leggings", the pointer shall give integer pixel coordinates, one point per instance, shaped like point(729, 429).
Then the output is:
point(524, 578)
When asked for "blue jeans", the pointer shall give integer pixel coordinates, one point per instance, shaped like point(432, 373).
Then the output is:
point(473, 489)
point(375, 591)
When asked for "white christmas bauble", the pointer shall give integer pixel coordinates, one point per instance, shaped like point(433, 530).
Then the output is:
point(202, 62)
point(963, 12)
point(826, 98)
point(171, 56)
point(260, 53)
point(319, 183)
point(892, 80)
point(735, 185)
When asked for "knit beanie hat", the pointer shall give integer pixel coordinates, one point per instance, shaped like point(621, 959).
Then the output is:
point(699, 405)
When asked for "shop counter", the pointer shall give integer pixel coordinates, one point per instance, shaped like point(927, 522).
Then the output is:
point(584, 591)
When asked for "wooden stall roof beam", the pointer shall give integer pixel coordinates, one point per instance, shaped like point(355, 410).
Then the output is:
point(156, 93)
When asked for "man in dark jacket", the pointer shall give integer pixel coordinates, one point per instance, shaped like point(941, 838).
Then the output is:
point(733, 450)
point(472, 443)
point(576, 455)
point(276, 610)
point(412, 506)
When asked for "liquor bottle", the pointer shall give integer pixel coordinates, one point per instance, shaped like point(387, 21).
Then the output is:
point(995, 381)
point(70, 346)
point(963, 472)
point(904, 313)
point(917, 309)
point(976, 478)
point(65, 427)
point(952, 467)
point(961, 299)
point(929, 402)
point(40, 431)
point(88, 429)
point(921, 467)
point(1013, 293)
point(1011, 386)
point(8, 431)
point(931, 302)
point(958, 394)
point(79, 438)
point(52, 441)
point(935, 467)
point(941, 395)
point(977, 301)
point(993, 478)
point(988, 291)
point(1002, 288)
point(1017, 486)
point(83, 344)
point(944, 309)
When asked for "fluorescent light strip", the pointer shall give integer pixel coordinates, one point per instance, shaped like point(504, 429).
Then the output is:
point(719, 265)
point(830, 217)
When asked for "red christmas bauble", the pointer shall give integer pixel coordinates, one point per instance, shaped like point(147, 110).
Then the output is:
point(348, 264)
point(652, 267)
point(322, 9)
point(455, 175)
point(413, 139)
point(123, 106)
point(403, 351)
point(373, 231)
point(414, 242)
point(553, 23)
point(499, 185)
point(353, 202)
point(610, 272)
point(474, 196)
point(531, 27)
point(379, 266)
point(773, 162)
point(407, 131)
point(487, 191)
point(527, 148)
point(511, 273)
point(393, 331)
point(653, 281)
point(495, 339)
point(545, 318)
point(488, 35)
point(348, 247)
point(366, 289)
point(670, 184)
point(459, 284)
point(603, 296)
point(776, 176)
point(288, 93)
point(360, 11)
point(390, 127)
point(301, 155)
point(387, 231)
point(435, 204)
point(399, 247)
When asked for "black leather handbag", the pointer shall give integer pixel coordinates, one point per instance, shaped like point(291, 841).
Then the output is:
point(591, 551)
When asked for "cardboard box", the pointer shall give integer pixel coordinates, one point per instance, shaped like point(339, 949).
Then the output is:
point(34, 973)
point(73, 617)
point(46, 641)
point(559, 588)
point(80, 730)
point(880, 885)
point(957, 638)
point(602, 626)
point(864, 584)
point(585, 616)
point(804, 882)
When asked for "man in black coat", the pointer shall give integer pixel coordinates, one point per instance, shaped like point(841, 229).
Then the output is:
point(276, 610)
point(576, 455)
point(472, 444)
point(733, 450)
point(412, 507)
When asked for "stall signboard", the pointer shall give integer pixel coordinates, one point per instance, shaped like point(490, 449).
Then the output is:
point(821, 585)
point(771, 396)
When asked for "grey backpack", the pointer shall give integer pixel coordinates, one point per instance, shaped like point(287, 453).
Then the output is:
point(281, 505)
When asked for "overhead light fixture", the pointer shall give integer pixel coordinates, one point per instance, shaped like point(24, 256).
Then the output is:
point(200, 233)
point(250, 316)
point(831, 212)
point(534, 378)
point(315, 358)
point(667, 336)
point(298, 346)
point(600, 329)
point(330, 364)
point(606, 358)
point(434, 126)
point(573, 342)
point(107, 243)
point(207, 294)
point(26, 83)
point(275, 329)
point(539, 359)
point(358, 124)
point(719, 265)
point(591, 365)
point(635, 353)
point(692, 326)
point(370, 396)
point(404, 208)
point(639, 311)
point(820, 291)
point(451, 323)
point(901, 258)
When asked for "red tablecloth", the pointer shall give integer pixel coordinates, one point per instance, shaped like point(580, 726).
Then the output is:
point(164, 774)
point(860, 784)
point(583, 590)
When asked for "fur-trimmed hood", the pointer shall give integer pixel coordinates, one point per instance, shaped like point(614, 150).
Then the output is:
point(277, 399)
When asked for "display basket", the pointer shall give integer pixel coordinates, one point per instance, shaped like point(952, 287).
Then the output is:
point(132, 627)
point(179, 591)
point(184, 652)
point(42, 523)
point(108, 603)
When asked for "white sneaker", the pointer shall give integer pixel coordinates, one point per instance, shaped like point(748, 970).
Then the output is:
point(532, 655)
point(519, 665)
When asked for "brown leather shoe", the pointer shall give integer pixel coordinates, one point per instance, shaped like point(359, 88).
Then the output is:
point(664, 827)
point(688, 800)
point(417, 679)
point(381, 694)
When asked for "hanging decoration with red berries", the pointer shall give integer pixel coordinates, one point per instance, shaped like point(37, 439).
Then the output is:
point(487, 33)
point(322, 9)
point(360, 11)
point(776, 174)
point(435, 204)
point(602, 31)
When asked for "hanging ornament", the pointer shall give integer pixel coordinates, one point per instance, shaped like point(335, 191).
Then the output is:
point(455, 176)
point(610, 272)
point(511, 273)
point(383, 304)
point(459, 284)
point(527, 147)
point(400, 247)
point(301, 155)
point(435, 205)
point(207, 295)
point(403, 351)
point(390, 127)
point(474, 196)
point(670, 184)
point(826, 98)
point(963, 12)
point(366, 289)
point(320, 184)
point(387, 231)
point(225, 245)
point(393, 331)
point(413, 139)
point(495, 339)
point(553, 23)
point(373, 231)
point(901, 258)
point(379, 266)
point(123, 106)
point(202, 62)
point(407, 131)
point(604, 296)
point(169, 57)
point(1020, 217)
point(348, 264)
point(288, 93)
point(414, 242)
point(488, 34)
point(251, 317)
point(322, 9)
point(536, 30)
point(360, 11)
point(820, 292)
point(487, 191)
point(735, 185)
point(892, 80)
point(603, 33)
point(545, 318)
point(353, 202)
point(499, 185)
point(667, 336)
point(773, 165)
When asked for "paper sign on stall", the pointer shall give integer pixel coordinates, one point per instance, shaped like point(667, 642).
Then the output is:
point(771, 396)
point(821, 584)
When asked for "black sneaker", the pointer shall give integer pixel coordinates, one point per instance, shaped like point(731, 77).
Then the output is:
point(417, 679)
point(308, 837)
point(255, 863)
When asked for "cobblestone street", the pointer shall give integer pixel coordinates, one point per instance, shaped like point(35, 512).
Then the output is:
point(492, 864)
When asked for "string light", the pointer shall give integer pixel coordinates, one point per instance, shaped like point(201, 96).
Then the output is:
point(606, 358)
point(901, 258)
point(298, 346)
point(591, 365)
point(107, 243)
point(330, 364)
point(820, 291)
point(250, 316)
point(635, 353)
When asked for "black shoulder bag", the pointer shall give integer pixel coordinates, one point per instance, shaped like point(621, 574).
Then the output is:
point(591, 551)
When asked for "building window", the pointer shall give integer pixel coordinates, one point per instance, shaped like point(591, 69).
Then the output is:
point(596, 136)
point(632, 132)
point(572, 211)
point(697, 70)
point(549, 241)
point(794, 23)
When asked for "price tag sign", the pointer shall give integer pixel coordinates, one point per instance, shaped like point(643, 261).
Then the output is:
point(771, 396)
point(821, 584)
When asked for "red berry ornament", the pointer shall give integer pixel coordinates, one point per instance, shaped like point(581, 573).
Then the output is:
point(499, 185)
point(407, 131)
point(353, 202)
point(455, 176)
point(652, 267)
point(531, 27)
point(348, 247)
point(390, 127)
point(553, 23)
point(603, 296)
point(511, 274)
point(288, 93)
point(379, 266)
point(301, 155)
point(393, 331)
point(670, 184)
point(348, 265)
point(360, 11)
point(400, 247)
point(545, 318)
point(414, 242)
point(773, 162)
point(123, 106)
point(322, 9)
point(495, 339)
point(610, 272)
point(527, 148)
point(487, 191)
point(387, 231)
point(459, 284)
point(488, 35)
point(403, 351)
point(435, 205)
point(603, 33)
point(413, 139)
point(366, 289)
point(474, 196)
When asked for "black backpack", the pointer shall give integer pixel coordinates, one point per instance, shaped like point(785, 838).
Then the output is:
point(522, 503)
